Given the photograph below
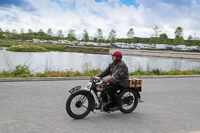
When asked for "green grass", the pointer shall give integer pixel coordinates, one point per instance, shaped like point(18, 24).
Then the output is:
point(23, 71)
point(53, 47)
point(27, 48)
point(49, 47)
point(8, 43)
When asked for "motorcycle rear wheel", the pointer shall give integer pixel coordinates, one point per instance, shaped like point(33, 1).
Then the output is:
point(128, 98)
point(78, 105)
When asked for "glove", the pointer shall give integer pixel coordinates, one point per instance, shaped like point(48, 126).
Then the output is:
point(109, 80)
point(105, 81)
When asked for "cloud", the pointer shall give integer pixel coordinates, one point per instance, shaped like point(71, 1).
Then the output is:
point(18, 3)
point(10, 16)
point(104, 14)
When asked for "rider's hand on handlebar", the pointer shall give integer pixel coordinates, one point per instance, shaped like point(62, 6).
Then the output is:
point(98, 75)
point(109, 80)
point(105, 81)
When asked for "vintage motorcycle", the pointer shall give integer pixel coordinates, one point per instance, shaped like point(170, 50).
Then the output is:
point(83, 100)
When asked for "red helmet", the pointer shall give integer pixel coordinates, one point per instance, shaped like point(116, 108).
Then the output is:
point(118, 54)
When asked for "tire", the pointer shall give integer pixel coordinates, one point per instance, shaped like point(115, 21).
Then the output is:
point(77, 101)
point(133, 100)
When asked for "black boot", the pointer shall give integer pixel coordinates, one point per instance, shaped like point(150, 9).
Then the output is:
point(114, 108)
point(115, 105)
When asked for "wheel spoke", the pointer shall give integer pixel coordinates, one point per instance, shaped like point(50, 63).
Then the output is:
point(83, 99)
point(130, 104)
point(84, 104)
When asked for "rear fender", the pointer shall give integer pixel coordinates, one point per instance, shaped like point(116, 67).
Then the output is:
point(87, 93)
point(137, 91)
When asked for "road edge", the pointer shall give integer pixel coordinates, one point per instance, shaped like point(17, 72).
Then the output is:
point(88, 77)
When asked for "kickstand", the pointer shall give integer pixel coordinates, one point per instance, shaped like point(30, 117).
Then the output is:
point(140, 101)
point(93, 112)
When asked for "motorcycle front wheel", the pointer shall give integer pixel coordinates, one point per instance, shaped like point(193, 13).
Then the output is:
point(78, 105)
point(129, 101)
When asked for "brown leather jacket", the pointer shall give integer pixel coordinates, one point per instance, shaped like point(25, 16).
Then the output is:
point(119, 71)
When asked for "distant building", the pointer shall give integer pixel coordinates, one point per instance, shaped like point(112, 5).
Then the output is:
point(181, 47)
point(161, 46)
point(194, 48)
point(36, 40)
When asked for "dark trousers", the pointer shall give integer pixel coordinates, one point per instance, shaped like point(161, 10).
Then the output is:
point(112, 92)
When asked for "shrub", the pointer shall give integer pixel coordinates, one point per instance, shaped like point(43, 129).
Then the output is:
point(55, 75)
point(40, 75)
point(77, 73)
point(173, 73)
point(138, 72)
point(156, 71)
point(25, 75)
point(5, 73)
point(163, 73)
point(21, 70)
point(186, 73)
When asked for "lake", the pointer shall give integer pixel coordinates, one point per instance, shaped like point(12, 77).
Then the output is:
point(59, 61)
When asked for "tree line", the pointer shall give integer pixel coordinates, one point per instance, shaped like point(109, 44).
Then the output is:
point(156, 38)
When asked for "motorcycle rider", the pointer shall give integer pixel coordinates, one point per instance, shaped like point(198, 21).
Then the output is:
point(118, 79)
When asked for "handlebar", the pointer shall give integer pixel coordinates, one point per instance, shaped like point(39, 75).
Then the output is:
point(95, 79)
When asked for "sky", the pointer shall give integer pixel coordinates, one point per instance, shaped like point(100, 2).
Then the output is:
point(120, 15)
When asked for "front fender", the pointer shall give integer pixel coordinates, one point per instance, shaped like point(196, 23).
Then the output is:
point(88, 93)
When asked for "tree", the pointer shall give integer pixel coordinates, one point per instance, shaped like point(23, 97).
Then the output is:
point(190, 37)
point(95, 39)
point(30, 34)
point(179, 32)
point(71, 35)
point(22, 35)
point(7, 34)
point(49, 34)
point(41, 34)
point(130, 33)
point(112, 36)
point(14, 34)
point(156, 31)
point(190, 40)
point(154, 40)
point(178, 36)
point(99, 35)
point(1, 33)
point(60, 34)
point(85, 36)
point(163, 38)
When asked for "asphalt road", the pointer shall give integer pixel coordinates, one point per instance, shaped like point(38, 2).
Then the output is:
point(171, 105)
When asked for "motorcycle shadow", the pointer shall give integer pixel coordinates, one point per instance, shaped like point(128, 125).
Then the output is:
point(119, 115)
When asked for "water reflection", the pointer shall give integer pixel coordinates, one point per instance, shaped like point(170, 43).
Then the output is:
point(58, 61)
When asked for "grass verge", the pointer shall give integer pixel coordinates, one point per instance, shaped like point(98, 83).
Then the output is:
point(23, 71)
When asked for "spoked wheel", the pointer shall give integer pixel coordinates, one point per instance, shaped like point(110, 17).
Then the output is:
point(78, 105)
point(129, 101)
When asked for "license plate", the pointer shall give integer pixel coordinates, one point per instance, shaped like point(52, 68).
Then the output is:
point(75, 89)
